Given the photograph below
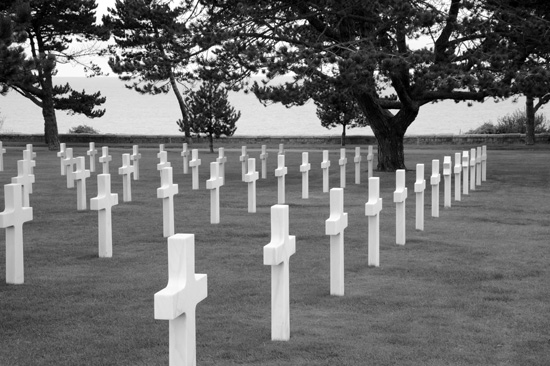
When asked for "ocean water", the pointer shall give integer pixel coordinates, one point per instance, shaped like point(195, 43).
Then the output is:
point(128, 112)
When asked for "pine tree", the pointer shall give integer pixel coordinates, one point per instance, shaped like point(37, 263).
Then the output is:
point(36, 35)
point(210, 112)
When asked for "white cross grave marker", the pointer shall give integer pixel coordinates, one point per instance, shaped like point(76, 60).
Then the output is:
point(280, 173)
point(80, 175)
point(447, 180)
point(478, 166)
point(305, 168)
point(29, 156)
point(185, 155)
point(372, 210)
point(419, 187)
point(2, 152)
point(61, 156)
point(334, 227)
point(12, 219)
point(195, 163)
point(281, 149)
point(277, 255)
point(164, 163)
point(69, 163)
point(342, 162)
point(221, 160)
point(25, 178)
point(357, 161)
point(465, 170)
point(126, 171)
point(104, 159)
point(166, 192)
point(177, 302)
point(92, 152)
point(244, 161)
point(435, 179)
point(325, 165)
point(472, 169)
point(251, 177)
point(214, 184)
point(400, 197)
point(135, 157)
point(161, 149)
point(457, 171)
point(484, 163)
point(370, 161)
point(103, 204)
point(263, 159)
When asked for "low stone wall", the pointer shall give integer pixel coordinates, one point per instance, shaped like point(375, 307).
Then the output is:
point(511, 138)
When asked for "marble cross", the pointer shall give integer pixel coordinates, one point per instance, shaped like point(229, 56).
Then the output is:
point(447, 171)
point(126, 171)
point(25, 178)
point(373, 207)
point(357, 161)
point(12, 219)
point(465, 170)
point(195, 163)
point(277, 255)
point(478, 166)
point(370, 161)
point(30, 156)
point(92, 152)
point(263, 159)
point(161, 149)
point(185, 155)
point(164, 163)
point(484, 163)
point(69, 163)
point(2, 152)
point(80, 175)
point(221, 160)
point(135, 157)
point(400, 198)
point(103, 204)
point(305, 168)
point(177, 302)
point(104, 159)
point(419, 187)
point(472, 169)
point(61, 155)
point(325, 165)
point(457, 171)
point(281, 149)
point(244, 161)
point(435, 179)
point(166, 192)
point(251, 177)
point(280, 173)
point(342, 162)
point(214, 184)
point(334, 227)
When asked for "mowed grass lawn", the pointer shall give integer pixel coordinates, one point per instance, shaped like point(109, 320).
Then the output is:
point(473, 288)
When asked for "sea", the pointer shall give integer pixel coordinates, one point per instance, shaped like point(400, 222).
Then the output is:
point(129, 112)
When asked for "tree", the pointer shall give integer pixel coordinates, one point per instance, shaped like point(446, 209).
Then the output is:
point(210, 112)
point(364, 47)
point(336, 108)
point(36, 35)
point(154, 46)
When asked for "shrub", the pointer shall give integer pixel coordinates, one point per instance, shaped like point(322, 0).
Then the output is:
point(512, 123)
point(84, 129)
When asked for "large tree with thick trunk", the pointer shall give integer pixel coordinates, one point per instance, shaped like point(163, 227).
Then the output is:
point(36, 35)
point(366, 49)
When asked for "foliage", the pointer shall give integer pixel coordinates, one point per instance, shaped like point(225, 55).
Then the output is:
point(366, 48)
point(210, 112)
point(84, 129)
point(515, 122)
point(34, 37)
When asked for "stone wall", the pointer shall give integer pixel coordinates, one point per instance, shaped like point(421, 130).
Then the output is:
point(511, 138)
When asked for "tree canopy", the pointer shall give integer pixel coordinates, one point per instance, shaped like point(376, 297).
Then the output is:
point(369, 50)
point(36, 35)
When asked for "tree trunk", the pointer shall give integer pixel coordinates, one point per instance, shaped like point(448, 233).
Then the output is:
point(51, 135)
point(530, 121)
point(343, 138)
point(391, 152)
point(211, 140)
point(181, 102)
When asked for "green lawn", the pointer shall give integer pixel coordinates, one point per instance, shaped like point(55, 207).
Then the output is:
point(472, 289)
